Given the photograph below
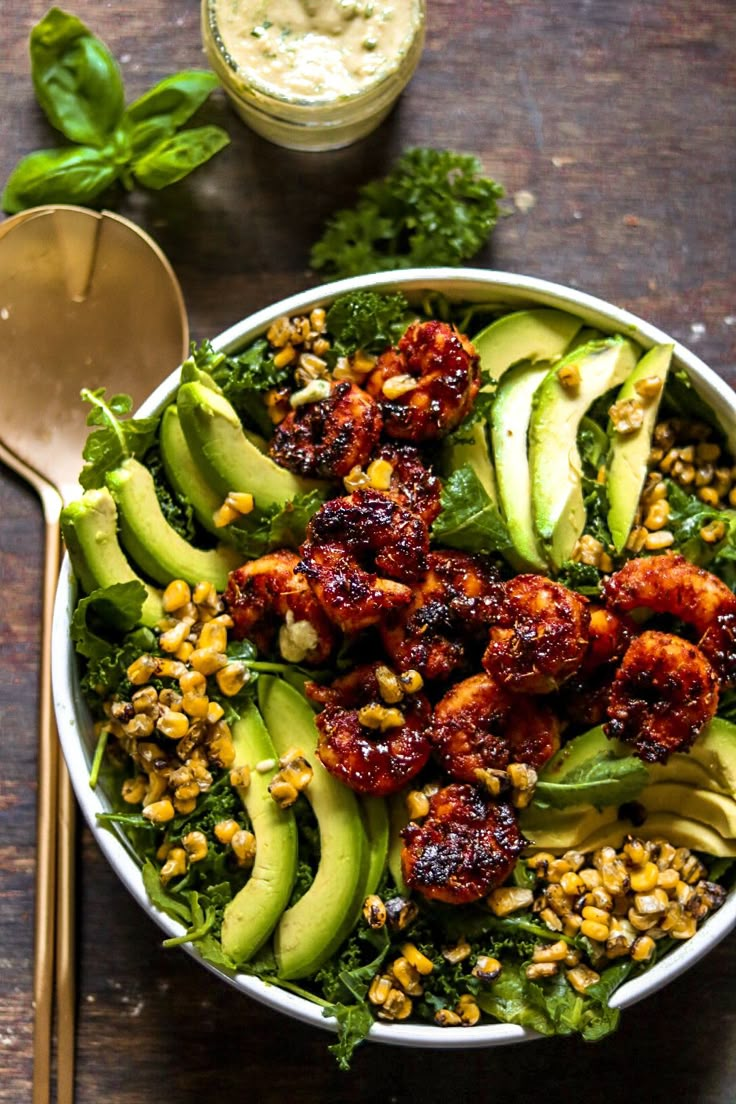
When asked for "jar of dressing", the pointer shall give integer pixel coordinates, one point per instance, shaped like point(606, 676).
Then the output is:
point(313, 74)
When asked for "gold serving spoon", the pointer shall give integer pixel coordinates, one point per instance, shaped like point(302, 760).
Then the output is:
point(86, 300)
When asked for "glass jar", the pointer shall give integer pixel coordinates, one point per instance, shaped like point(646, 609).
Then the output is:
point(287, 106)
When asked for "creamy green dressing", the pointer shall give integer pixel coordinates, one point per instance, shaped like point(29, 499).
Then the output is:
point(316, 49)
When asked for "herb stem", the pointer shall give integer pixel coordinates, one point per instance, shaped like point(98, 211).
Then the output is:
point(94, 773)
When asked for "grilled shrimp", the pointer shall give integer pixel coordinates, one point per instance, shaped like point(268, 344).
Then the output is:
point(478, 725)
point(269, 600)
point(441, 370)
point(352, 743)
point(465, 846)
point(412, 484)
point(328, 438)
point(540, 635)
point(671, 584)
point(585, 694)
point(349, 541)
point(450, 610)
point(664, 693)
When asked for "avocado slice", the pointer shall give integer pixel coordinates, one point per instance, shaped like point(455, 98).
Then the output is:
point(375, 820)
point(227, 459)
point(510, 417)
point(539, 334)
point(557, 494)
point(90, 530)
point(152, 543)
point(678, 830)
point(715, 749)
point(475, 453)
point(184, 475)
point(398, 819)
point(628, 461)
point(312, 929)
point(255, 910)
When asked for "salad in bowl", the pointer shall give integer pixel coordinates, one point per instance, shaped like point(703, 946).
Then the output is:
point(394, 662)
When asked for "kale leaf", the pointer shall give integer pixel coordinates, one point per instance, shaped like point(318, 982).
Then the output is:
point(469, 520)
point(434, 207)
point(275, 527)
point(366, 320)
point(117, 437)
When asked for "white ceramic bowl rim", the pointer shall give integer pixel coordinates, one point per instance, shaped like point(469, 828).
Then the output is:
point(505, 290)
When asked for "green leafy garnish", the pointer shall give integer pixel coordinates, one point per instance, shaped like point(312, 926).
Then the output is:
point(469, 520)
point(117, 438)
point(115, 609)
point(275, 527)
point(354, 1021)
point(79, 87)
point(366, 320)
point(599, 781)
point(688, 516)
point(435, 207)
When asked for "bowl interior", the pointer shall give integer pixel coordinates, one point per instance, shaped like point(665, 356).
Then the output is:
point(500, 291)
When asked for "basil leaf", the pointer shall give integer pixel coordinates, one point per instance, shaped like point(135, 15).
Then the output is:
point(75, 174)
point(76, 79)
point(176, 98)
point(176, 156)
point(469, 519)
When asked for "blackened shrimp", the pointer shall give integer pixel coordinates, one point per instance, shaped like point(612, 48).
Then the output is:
point(439, 369)
point(539, 637)
point(330, 437)
point(585, 694)
point(373, 747)
point(360, 554)
point(465, 846)
point(270, 601)
point(664, 693)
point(671, 584)
point(412, 484)
point(449, 615)
point(478, 725)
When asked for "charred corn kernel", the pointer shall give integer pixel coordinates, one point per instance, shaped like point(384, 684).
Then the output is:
point(215, 713)
point(145, 700)
point(378, 716)
point(195, 845)
point(379, 474)
point(320, 346)
point(445, 1017)
point(139, 727)
point(685, 474)
point(710, 496)
point(195, 705)
point(523, 780)
point(397, 1006)
point(582, 977)
point(649, 387)
point(569, 376)
point(598, 916)
point(642, 948)
point(572, 884)
point(279, 331)
point(389, 685)
point(163, 851)
point(173, 725)
point(411, 681)
point(240, 501)
point(184, 808)
point(713, 532)
point(400, 913)
point(596, 931)
point(286, 355)
point(315, 391)
point(225, 830)
point(205, 594)
point(493, 780)
point(655, 542)
point(243, 844)
point(666, 880)
point(298, 771)
point(657, 515)
point(184, 651)
point(207, 660)
point(536, 970)
point(374, 912)
point(690, 867)
point(635, 851)
point(134, 789)
point(687, 453)
point(142, 669)
point(417, 804)
point(486, 968)
point(220, 745)
point(704, 475)
point(550, 952)
point(299, 329)
point(172, 639)
point(556, 869)
point(637, 538)
point(417, 960)
point(540, 862)
point(379, 989)
point(644, 878)
point(311, 367)
point(355, 479)
point(156, 789)
point(232, 678)
point(159, 812)
point(240, 777)
point(627, 415)
point(571, 924)
point(643, 921)
point(458, 953)
point(468, 1010)
point(175, 865)
point(507, 899)
point(551, 919)
point(318, 319)
point(169, 698)
point(283, 793)
point(684, 930)
point(213, 635)
point(707, 451)
point(193, 682)
point(407, 977)
point(396, 386)
point(176, 595)
point(599, 897)
point(224, 515)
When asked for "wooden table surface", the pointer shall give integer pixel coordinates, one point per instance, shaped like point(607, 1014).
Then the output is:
point(611, 124)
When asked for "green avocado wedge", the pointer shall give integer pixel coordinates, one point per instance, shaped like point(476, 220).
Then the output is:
point(474, 452)
point(311, 930)
point(184, 475)
point(628, 460)
point(225, 456)
point(510, 417)
point(375, 819)
point(152, 543)
point(554, 460)
point(398, 820)
point(89, 527)
point(253, 913)
point(539, 334)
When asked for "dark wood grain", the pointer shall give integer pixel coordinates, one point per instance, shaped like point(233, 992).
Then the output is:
point(618, 118)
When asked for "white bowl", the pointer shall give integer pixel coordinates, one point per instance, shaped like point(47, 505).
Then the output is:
point(503, 290)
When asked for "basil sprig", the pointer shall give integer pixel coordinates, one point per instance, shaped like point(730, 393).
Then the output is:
point(78, 84)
